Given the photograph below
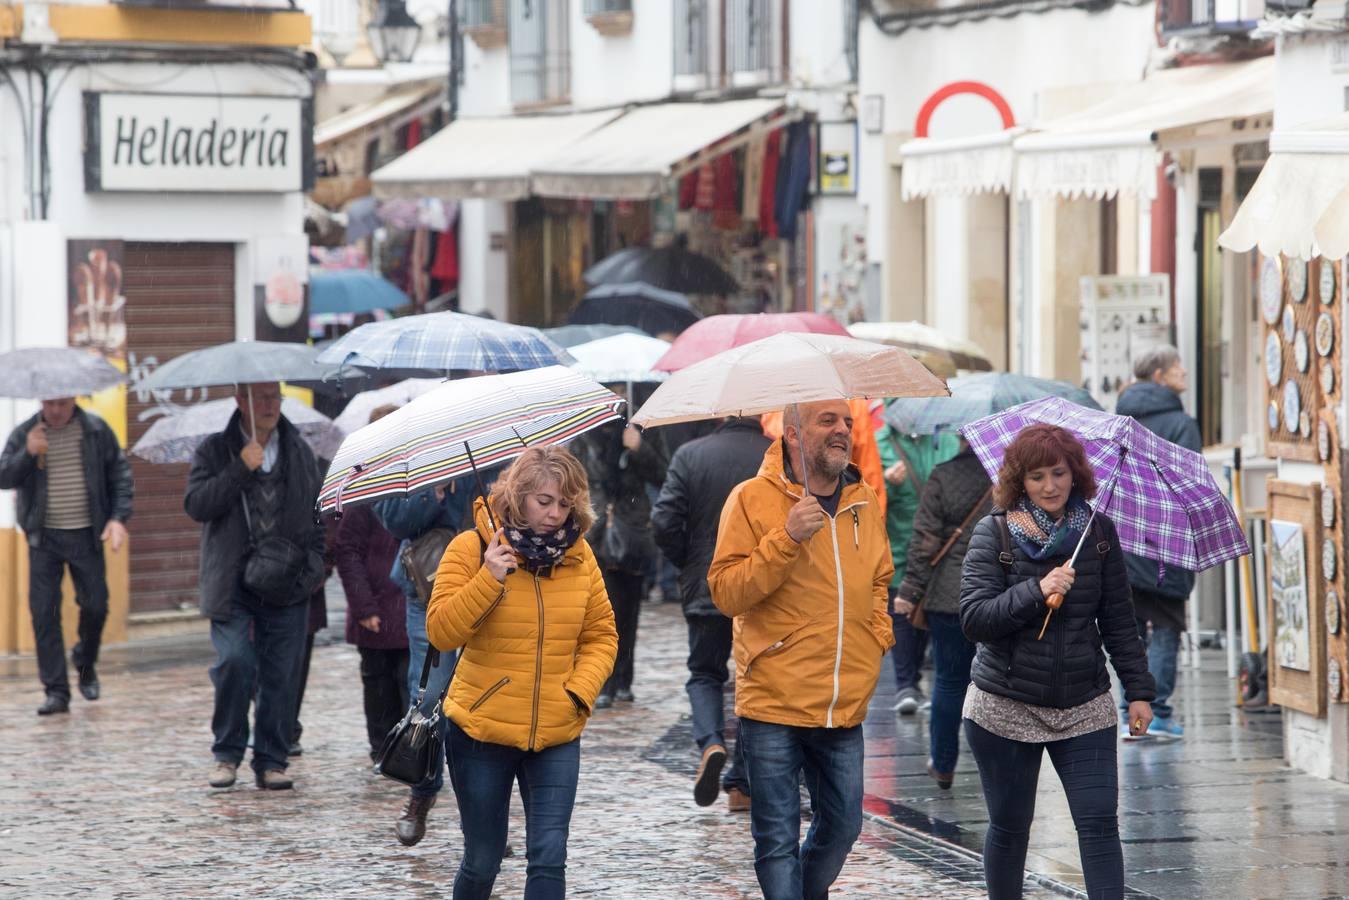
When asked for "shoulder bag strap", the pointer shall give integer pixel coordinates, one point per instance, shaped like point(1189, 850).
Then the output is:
point(910, 472)
point(1005, 533)
point(960, 529)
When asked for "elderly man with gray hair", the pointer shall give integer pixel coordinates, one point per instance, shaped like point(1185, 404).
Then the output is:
point(1160, 593)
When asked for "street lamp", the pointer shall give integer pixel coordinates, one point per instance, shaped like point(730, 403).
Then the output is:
point(393, 33)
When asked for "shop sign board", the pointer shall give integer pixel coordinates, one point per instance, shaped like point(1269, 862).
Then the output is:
point(1123, 317)
point(837, 163)
point(197, 143)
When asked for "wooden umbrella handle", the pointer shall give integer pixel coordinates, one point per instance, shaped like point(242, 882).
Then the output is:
point(1053, 601)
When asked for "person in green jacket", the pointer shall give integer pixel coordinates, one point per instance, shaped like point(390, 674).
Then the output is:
point(908, 460)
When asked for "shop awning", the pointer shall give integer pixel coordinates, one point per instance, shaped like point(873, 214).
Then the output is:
point(1112, 146)
point(489, 158)
point(635, 156)
point(1299, 205)
point(393, 109)
point(957, 166)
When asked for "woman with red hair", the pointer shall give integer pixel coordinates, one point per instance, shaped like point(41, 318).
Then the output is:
point(1033, 693)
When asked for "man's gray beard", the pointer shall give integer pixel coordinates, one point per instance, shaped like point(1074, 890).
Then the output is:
point(827, 468)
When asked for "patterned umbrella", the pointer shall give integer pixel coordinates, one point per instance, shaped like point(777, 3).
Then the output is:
point(1162, 498)
point(175, 438)
point(976, 396)
point(463, 426)
point(714, 334)
point(51, 373)
point(436, 343)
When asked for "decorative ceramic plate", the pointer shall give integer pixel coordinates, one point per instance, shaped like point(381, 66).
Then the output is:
point(1333, 611)
point(1302, 353)
point(1273, 359)
point(1327, 507)
point(1289, 324)
point(1325, 334)
point(1304, 424)
point(1328, 560)
point(1274, 415)
point(1323, 440)
point(1297, 279)
point(1327, 282)
point(1327, 377)
point(1333, 678)
point(1271, 291)
point(1292, 405)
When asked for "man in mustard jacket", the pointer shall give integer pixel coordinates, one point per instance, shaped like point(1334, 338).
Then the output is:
point(804, 573)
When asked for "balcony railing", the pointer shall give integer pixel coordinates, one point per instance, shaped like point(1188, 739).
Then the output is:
point(728, 42)
point(485, 22)
point(611, 18)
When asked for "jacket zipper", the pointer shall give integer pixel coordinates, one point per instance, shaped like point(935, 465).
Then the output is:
point(538, 668)
point(495, 603)
point(838, 647)
point(767, 650)
point(487, 694)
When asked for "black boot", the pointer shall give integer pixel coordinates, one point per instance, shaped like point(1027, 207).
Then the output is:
point(53, 704)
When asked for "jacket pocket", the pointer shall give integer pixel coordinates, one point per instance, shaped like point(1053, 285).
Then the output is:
point(487, 694)
point(490, 609)
point(776, 647)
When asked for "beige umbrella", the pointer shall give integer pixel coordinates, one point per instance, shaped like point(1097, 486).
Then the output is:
point(793, 367)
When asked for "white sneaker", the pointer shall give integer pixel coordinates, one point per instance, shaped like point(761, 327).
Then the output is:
point(908, 702)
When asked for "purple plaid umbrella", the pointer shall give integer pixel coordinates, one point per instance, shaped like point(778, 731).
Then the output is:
point(1162, 498)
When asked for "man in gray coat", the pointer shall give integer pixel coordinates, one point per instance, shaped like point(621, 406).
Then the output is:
point(256, 482)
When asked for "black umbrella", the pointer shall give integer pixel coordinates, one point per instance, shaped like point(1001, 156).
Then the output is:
point(674, 268)
point(571, 335)
point(639, 305)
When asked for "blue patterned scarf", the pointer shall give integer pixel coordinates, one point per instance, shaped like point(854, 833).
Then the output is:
point(1039, 535)
point(539, 553)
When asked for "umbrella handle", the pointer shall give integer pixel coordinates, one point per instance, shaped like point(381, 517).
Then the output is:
point(1053, 601)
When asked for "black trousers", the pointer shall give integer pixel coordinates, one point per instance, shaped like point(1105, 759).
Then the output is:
point(625, 596)
point(384, 683)
point(81, 551)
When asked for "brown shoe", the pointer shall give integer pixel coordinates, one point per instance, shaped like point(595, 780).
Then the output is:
point(737, 801)
point(274, 780)
point(707, 783)
point(223, 775)
point(411, 826)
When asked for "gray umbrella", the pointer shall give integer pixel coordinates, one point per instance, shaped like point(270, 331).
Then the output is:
point(571, 335)
point(50, 373)
point(239, 362)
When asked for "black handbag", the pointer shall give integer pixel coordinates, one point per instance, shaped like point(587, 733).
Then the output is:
point(409, 753)
point(273, 567)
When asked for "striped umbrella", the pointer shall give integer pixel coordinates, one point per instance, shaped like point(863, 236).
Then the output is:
point(461, 427)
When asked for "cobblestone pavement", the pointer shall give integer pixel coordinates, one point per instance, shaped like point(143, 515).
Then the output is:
point(112, 801)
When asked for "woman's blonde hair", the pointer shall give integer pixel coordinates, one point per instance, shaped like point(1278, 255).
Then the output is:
point(531, 473)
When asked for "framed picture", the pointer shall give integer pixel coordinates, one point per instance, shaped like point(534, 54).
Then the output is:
point(1296, 598)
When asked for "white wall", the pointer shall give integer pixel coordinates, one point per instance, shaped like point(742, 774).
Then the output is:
point(483, 274)
point(486, 90)
point(1308, 83)
point(818, 43)
point(607, 71)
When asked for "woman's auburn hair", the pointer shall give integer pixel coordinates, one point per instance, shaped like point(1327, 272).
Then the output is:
point(531, 473)
point(1035, 447)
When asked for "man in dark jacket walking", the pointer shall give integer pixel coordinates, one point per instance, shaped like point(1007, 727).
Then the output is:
point(1160, 592)
point(255, 481)
point(685, 518)
point(75, 492)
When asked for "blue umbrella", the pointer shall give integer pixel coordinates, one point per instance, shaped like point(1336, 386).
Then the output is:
point(436, 343)
point(352, 291)
point(975, 396)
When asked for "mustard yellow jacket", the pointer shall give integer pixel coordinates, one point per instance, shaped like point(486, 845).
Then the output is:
point(811, 621)
point(528, 644)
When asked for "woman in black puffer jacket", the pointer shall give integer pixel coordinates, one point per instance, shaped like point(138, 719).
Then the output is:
point(1031, 694)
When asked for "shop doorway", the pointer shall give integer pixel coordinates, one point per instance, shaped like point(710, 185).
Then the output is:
point(1208, 379)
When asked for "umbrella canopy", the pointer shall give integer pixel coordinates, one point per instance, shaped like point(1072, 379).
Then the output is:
point(769, 374)
point(356, 414)
point(175, 438)
point(570, 335)
point(653, 310)
point(352, 291)
point(976, 396)
point(436, 343)
point(238, 362)
point(710, 336)
point(1162, 498)
point(924, 339)
point(461, 426)
point(620, 358)
point(673, 268)
point(51, 373)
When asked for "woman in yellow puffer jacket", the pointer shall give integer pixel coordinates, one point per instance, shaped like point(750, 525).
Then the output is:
point(527, 604)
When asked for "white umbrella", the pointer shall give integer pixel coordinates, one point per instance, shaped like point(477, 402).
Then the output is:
point(175, 438)
point(356, 415)
point(621, 358)
point(919, 338)
point(50, 373)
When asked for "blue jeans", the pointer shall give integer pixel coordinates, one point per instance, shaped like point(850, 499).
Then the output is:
point(418, 645)
point(907, 654)
point(482, 775)
point(258, 646)
point(709, 648)
point(775, 757)
point(952, 656)
point(1163, 649)
point(1010, 772)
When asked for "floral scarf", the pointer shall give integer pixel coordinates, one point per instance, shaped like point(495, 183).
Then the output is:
point(1039, 535)
point(541, 552)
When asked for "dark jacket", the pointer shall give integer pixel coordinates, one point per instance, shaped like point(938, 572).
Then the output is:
point(952, 491)
point(106, 473)
point(365, 555)
point(1002, 609)
point(1158, 409)
point(215, 489)
point(619, 479)
point(409, 516)
point(686, 515)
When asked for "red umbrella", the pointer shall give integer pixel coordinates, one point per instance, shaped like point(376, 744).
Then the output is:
point(710, 336)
